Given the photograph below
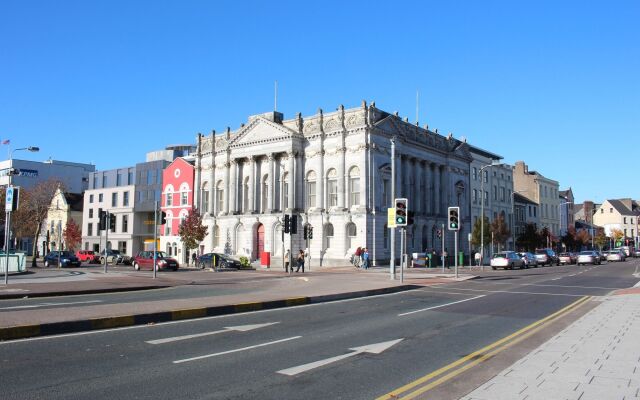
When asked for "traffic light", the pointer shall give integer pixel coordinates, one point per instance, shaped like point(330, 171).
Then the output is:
point(102, 224)
point(306, 232)
point(287, 223)
point(310, 232)
point(163, 218)
point(112, 222)
point(401, 212)
point(410, 218)
point(293, 224)
point(454, 218)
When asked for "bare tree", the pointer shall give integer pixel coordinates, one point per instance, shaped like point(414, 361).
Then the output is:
point(32, 211)
point(500, 230)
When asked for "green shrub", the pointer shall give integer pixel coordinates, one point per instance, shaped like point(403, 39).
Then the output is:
point(244, 261)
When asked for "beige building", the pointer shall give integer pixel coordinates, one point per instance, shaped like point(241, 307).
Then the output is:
point(64, 207)
point(618, 214)
point(541, 190)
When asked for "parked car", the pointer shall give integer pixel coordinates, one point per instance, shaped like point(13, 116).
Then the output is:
point(221, 261)
point(615, 255)
point(547, 257)
point(127, 260)
point(589, 257)
point(113, 257)
point(567, 258)
point(506, 260)
point(144, 260)
point(627, 250)
point(603, 257)
point(88, 256)
point(529, 259)
point(67, 259)
point(636, 252)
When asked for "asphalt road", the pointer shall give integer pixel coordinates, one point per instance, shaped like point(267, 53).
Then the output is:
point(328, 350)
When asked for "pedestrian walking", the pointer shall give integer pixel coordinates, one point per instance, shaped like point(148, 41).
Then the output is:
point(287, 255)
point(477, 258)
point(300, 261)
point(194, 258)
point(446, 260)
point(365, 258)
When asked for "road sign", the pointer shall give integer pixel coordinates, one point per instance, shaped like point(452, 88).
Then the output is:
point(12, 197)
point(391, 217)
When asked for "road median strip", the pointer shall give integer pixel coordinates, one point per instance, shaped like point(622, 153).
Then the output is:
point(436, 378)
point(65, 327)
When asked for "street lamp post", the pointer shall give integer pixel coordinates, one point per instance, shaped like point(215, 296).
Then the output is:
point(7, 225)
point(482, 213)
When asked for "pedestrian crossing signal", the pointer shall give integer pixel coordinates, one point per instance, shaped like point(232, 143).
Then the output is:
point(402, 212)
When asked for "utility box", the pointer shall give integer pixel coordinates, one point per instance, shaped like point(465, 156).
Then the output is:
point(265, 259)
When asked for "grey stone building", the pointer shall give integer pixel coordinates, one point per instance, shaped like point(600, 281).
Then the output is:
point(333, 171)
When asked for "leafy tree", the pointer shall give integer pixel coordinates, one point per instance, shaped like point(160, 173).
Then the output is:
point(529, 239)
point(616, 234)
point(583, 237)
point(475, 235)
point(601, 239)
point(72, 235)
point(500, 231)
point(569, 239)
point(544, 238)
point(192, 231)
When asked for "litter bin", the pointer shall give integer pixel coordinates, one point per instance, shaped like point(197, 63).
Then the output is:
point(265, 259)
point(461, 258)
point(429, 258)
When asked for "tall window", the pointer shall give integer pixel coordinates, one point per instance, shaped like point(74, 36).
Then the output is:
point(311, 189)
point(486, 176)
point(100, 197)
point(114, 199)
point(354, 186)
point(104, 181)
point(386, 193)
point(184, 199)
point(265, 193)
point(125, 223)
point(475, 195)
point(328, 233)
point(332, 188)
point(125, 199)
point(502, 194)
point(216, 236)
point(91, 213)
point(183, 217)
point(205, 197)
point(285, 191)
point(352, 232)
point(90, 198)
point(245, 195)
point(219, 197)
point(119, 179)
point(130, 177)
point(90, 229)
point(475, 173)
point(168, 198)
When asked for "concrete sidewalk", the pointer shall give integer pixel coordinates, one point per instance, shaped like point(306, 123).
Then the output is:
point(595, 358)
point(256, 290)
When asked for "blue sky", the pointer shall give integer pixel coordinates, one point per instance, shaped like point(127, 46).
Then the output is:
point(554, 83)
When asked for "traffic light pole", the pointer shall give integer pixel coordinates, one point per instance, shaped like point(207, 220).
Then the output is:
point(155, 237)
point(443, 237)
point(392, 262)
point(455, 254)
point(106, 240)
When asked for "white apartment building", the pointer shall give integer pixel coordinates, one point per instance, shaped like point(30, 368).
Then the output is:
point(541, 190)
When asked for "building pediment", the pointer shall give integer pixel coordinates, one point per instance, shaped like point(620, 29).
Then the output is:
point(261, 131)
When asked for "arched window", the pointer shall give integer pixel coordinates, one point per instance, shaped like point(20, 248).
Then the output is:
point(328, 234)
point(311, 189)
point(184, 194)
point(245, 195)
point(332, 188)
point(168, 196)
point(183, 216)
point(354, 186)
point(352, 233)
point(205, 197)
point(216, 236)
point(168, 226)
point(265, 194)
point(219, 197)
point(285, 191)
point(169, 249)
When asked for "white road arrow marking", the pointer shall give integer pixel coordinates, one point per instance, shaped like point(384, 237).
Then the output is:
point(375, 348)
point(239, 328)
point(236, 350)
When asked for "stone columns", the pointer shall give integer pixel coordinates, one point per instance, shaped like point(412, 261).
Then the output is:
point(227, 185)
point(233, 187)
point(252, 184)
point(320, 200)
point(341, 178)
point(291, 180)
point(212, 174)
point(428, 189)
point(436, 190)
point(418, 189)
point(271, 183)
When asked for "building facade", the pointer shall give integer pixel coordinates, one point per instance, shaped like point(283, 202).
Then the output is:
point(566, 213)
point(333, 171)
point(619, 214)
point(72, 176)
point(541, 190)
point(177, 201)
point(64, 208)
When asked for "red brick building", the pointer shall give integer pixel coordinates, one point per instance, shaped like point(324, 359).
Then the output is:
point(176, 201)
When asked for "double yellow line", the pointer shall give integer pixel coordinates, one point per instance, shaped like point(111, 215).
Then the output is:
point(436, 378)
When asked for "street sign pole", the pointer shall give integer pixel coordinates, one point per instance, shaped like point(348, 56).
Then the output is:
point(106, 241)
point(443, 236)
point(455, 254)
point(7, 225)
point(392, 262)
point(155, 237)
point(402, 231)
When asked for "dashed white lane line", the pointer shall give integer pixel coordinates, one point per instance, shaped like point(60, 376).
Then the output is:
point(441, 305)
point(235, 350)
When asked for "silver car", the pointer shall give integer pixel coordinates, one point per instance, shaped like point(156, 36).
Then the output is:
point(529, 259)
point(588, 257)
point(506, 260)
point(614, 255)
